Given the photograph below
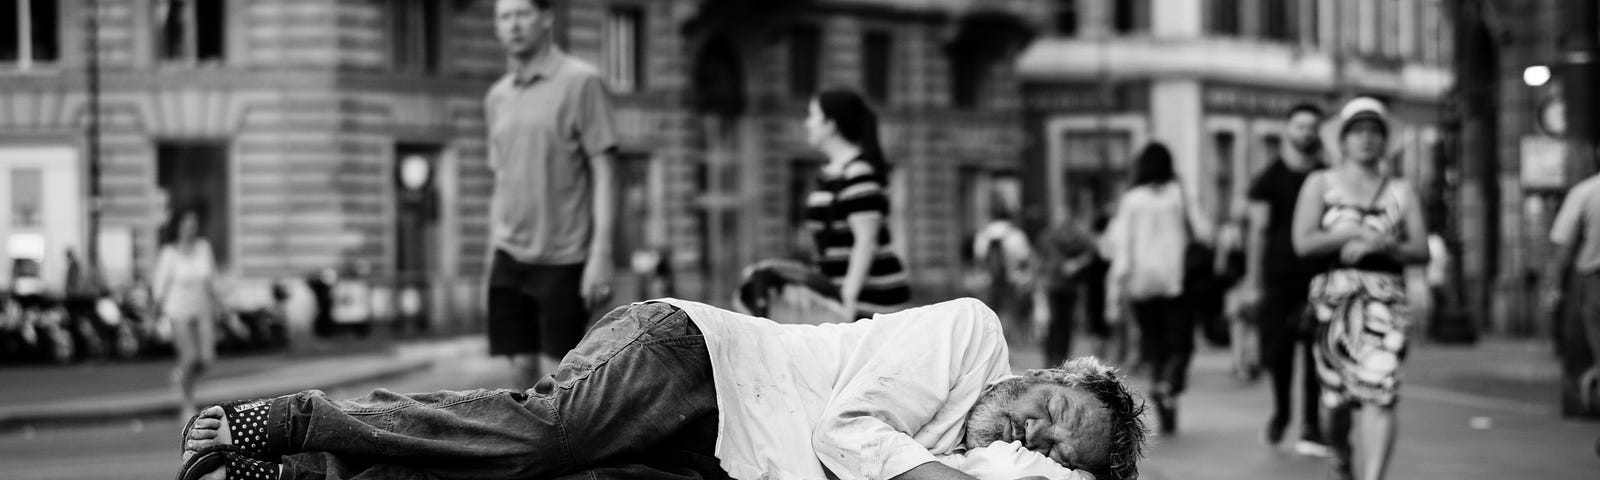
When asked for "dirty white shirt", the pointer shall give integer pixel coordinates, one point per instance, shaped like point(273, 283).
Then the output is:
point(864, 400)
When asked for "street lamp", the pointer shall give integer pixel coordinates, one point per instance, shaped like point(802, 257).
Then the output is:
point(1536, 75)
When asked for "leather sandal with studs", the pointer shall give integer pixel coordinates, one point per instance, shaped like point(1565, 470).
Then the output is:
point(241, 465)
point(247, 429)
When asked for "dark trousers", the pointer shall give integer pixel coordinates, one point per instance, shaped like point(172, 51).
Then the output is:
point(634, 400)
point(1166, 340)
point(1284, 329)
point(1063, 320)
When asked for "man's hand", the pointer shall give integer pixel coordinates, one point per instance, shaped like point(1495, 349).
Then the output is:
point(596, 286)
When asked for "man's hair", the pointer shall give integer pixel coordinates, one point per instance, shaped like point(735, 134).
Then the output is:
point(1126, 411)
point(1307, 108)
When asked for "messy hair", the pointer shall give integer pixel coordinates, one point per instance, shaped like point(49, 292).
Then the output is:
point(1126, 411)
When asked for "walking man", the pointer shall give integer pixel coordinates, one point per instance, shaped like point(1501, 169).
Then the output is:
point(1277, 281)
point(1576, 233)
point(553, 208)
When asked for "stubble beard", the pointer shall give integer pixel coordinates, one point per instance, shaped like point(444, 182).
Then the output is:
point(988, 420)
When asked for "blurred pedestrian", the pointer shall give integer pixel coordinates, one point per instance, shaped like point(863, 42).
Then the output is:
point(1278, 280)
point(1244, 342)
point(1003, 250)
point(1150, 234)
point(848, 214)
point(1066, 250)
point(186, 298)
point(1374, 224)
point(1576, 270)
point(553, 210)
point(1110, 340)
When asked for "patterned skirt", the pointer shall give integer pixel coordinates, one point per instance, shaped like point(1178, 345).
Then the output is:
point(1360, 335)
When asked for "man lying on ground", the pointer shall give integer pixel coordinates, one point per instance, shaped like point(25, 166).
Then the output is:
point(678, 389)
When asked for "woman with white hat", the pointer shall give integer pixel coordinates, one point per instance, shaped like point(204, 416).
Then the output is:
point(1374, 224)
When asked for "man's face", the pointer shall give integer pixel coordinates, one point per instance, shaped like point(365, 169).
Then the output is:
point(1066, 424)
point(521, 26)
point(1302, 132)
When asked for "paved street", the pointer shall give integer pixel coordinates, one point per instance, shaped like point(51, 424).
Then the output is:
point(1440, 425)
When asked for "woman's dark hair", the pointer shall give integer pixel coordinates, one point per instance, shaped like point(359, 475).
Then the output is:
point(855, 122)
point(169, 231)
point(1154, 166)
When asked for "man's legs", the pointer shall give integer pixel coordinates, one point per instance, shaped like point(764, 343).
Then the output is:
point(536, 313)
point(1058, 342)
point(641, 380)
point(1280, 316)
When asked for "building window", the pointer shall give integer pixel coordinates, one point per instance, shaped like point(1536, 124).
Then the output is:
point(191, 30)
point(26, 198)
point(1128, 16)
point(32, 35)
point(804, 57)
point(1224, 16)
point(1406, 23)
point(414, 35)
point(623, 58)
point(967, 73)
point(1312, 25)
point(1067, 18)
point(1389, 23)
point(1278, 20)
point(877, 63)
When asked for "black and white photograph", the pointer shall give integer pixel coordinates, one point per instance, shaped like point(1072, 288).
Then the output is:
point(799, 239)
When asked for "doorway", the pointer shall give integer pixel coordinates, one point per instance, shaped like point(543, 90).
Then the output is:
point(194, 174)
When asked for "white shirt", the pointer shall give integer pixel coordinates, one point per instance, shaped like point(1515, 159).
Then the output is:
point(182, 280)
point(865, 400)
point(1147, 238)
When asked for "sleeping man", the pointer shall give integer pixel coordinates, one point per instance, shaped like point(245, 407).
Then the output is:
point(678, 389)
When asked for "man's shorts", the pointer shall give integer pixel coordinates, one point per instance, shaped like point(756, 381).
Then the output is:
point(534, 308)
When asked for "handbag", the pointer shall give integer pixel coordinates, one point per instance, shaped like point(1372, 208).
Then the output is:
point(1203, 289)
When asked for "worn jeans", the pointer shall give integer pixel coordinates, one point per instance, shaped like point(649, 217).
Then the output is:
point(1166, 339)
point(635, 399)
point(1284, 330)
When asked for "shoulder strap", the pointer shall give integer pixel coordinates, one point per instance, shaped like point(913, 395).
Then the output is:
point(1382, 185)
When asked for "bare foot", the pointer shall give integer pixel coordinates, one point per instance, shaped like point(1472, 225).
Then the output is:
point(209, 430)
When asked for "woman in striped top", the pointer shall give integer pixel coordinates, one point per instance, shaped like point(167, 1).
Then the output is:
point(848, 213)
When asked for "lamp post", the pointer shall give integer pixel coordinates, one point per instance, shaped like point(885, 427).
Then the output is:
point(93, 59)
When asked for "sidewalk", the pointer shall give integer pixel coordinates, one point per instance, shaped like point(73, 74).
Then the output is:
point(122, 390)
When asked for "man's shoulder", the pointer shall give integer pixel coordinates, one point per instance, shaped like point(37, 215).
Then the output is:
point(1587, 191)
point(498, 88)
point(577, 69)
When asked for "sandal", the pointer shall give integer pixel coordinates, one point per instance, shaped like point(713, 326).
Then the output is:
point(240, 464)
point(247, 427)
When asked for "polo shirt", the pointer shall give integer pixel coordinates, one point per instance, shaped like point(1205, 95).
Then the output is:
point(1577, 224)
point(543, 129)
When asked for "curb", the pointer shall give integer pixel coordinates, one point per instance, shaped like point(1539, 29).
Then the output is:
point(324, 373)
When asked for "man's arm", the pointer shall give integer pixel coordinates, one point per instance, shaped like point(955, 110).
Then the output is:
point(597, 271)
point(1255, 249)
point(934, 471)
point(598, 136)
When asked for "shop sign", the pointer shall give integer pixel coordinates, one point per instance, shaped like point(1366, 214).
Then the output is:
point(1543, 162)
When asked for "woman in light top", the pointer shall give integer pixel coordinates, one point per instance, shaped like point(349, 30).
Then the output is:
point(1374, 223)
point(848, 216)
point(186, 297)
point(1147, 242)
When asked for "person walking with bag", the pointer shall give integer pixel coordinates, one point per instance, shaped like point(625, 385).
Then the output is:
point(1149, 239)
point(1374, 224)
point(848, 214)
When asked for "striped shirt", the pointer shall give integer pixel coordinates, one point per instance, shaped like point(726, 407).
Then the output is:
point(857, 193)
